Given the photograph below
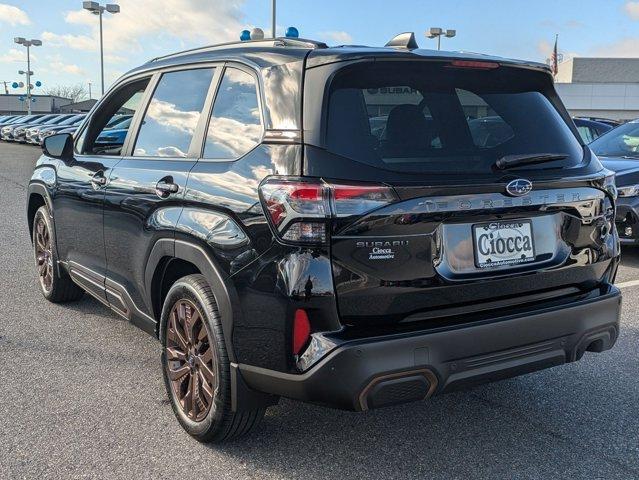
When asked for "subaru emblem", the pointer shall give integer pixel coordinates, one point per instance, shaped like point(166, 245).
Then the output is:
point(519, 187)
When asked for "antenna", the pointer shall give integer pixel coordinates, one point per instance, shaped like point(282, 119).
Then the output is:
point(403, 40)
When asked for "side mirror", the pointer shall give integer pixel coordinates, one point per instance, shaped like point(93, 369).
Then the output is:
point(58, 146)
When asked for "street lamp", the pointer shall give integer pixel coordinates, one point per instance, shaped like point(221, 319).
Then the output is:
point(436, 32)
point(28, 43)
point(97, 9)
point(273, 22)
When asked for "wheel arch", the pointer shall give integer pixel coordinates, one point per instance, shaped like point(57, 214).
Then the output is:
point(189, 257)
point(37, 196)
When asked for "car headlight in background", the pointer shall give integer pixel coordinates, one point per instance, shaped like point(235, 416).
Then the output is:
point(610, 185)
point(628, 191)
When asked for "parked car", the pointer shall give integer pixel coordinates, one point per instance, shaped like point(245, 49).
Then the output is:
point(7, 118)
point(607, 121)
point(11, 120)
point(16, 132)
point(6, 127)
point(35, 129)
point(36, 134)
point(618, 151)
point(115, 134)
point(276, 248)
point(590, 130)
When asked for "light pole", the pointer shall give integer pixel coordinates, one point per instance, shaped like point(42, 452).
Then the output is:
point(97, 9)
point(90, 91)
point(28, 43)
point(436, 32)
point(273, 23)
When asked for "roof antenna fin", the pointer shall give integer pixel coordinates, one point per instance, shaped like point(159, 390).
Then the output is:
point(403, 40)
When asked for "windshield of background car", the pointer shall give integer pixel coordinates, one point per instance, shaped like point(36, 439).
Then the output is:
point(432, 117)
point(622, 141)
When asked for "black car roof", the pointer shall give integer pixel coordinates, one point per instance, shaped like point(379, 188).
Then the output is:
point(272, 52)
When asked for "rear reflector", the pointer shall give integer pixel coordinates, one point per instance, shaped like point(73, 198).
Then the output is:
point(301, 330)
point(473, 64)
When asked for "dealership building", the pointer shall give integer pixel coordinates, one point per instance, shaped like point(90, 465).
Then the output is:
point(16, 104)
point(600, 87)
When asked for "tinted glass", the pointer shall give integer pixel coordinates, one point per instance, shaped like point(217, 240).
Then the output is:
point(432, 118)
point(173, 114)
point(236, 123)
point(586, 135)
point(95, 139)
point(622, 141)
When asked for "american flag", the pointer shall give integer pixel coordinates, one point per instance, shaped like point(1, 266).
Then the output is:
point(553, 58)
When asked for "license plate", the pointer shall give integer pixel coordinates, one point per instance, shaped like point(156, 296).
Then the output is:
point(503, 243)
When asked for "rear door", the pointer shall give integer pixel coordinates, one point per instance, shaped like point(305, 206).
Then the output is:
point(455, 233)
point(145, 189)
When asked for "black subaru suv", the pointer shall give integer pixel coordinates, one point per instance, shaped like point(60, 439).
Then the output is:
point(354, 227)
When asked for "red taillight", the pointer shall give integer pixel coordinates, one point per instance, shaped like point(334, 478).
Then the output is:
point(312, 193)
point(473, 64)
point(299, 209)
point(301, 330)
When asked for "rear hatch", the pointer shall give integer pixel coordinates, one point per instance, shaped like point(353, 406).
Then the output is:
point(486, 198)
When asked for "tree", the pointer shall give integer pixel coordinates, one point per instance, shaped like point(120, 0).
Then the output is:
point(76, 92)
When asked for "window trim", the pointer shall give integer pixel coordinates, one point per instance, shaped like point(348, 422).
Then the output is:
point(260, 102)
point(98, 106)
point(134, 130)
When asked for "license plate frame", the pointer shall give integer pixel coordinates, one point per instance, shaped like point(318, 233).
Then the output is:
point(515, 259)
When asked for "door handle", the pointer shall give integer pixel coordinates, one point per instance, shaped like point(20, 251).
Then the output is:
point(166, 187)
point(98, 180)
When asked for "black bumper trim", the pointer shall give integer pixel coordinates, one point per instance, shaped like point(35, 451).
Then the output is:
point(456, 358)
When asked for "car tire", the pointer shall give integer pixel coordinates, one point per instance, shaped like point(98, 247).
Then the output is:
point(55, 284)
point(194, 359)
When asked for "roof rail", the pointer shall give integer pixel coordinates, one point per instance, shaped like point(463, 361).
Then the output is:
point(267, 42)
point(403, 40)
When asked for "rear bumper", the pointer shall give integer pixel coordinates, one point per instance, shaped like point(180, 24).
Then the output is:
point(391, 370)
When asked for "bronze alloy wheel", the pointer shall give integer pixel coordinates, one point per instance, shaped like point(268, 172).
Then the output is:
point(190, 360)
point(44, 258)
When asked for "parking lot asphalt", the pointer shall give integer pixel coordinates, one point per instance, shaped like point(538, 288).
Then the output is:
point(81, 396)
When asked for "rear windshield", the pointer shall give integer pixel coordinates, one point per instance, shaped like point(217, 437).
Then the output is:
point(430, 117)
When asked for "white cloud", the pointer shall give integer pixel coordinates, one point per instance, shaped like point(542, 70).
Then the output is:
point(632, 9)
point(337, 37)
point(181, 20)
point(67, 68)
point(13, 15)
point(76, 42)
point(15, 55)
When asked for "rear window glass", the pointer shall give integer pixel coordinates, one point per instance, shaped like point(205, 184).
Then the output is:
point(432, 118)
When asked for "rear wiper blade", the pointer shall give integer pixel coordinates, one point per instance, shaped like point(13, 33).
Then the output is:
point(511, 161)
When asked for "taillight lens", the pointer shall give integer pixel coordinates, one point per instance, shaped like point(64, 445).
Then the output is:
point(357, 200)
point(299, 209)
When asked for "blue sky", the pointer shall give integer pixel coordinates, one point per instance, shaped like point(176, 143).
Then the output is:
point(148, 28)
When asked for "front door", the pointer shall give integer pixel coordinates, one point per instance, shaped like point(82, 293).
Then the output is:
point(78, 202)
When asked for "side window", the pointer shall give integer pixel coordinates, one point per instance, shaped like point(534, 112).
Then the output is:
point(173, 114)
point(586, 134)
point(236, 122)
point(102, 136)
